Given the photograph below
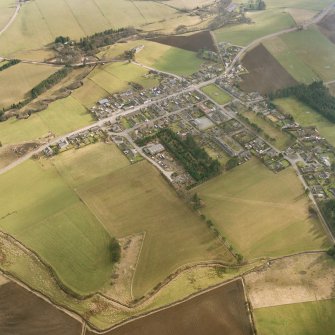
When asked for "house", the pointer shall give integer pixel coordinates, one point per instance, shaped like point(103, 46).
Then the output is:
point(63, 143)
point(48, 151)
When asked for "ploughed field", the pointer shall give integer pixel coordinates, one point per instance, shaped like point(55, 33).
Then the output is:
point(220, 311)
point(23, 313)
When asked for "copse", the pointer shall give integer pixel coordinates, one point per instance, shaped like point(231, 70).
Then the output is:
point(115, 250)
point(10, 63)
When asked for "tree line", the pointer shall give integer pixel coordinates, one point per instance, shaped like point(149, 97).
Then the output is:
point(194, 159)
point(10, 63)
point(315, 95)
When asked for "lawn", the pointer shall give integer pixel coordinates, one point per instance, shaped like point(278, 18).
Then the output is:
point(217, 94)
point(309, 318)
point(307, 117)
point(283, 140)
point(46, 215)
point(258, 211)
point(18, 80)
point(307, 55)
point(265, 23)
point(136, 199)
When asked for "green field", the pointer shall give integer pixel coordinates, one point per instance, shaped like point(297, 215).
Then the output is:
point(61, 117)
point(18, 80)
point(136, 199)
point(265, 23)
point(307, 55)
point(307, 117)
point(217, 94)
point(47, 216)
point(309, 318)
point(283, 140)
point(258, 211)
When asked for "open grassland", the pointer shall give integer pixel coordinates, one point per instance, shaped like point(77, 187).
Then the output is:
point(307, 117)
point(283, 140)
point(301, 4)
point(217, 94)
point(62, 116)
point(307, 55)
point(33, 317)
point(258, 211)
point(135, 199)
point(48, 216)
point(18, 80)
point(309, 318)
point(38, 22)
point(264, 23)
point(7, 9)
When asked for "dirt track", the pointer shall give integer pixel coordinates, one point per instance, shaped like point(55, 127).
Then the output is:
point(23, 313)
point(217, 312)
point(265, 73)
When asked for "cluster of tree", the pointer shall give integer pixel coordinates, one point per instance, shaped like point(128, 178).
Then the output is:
point(130, 54)
point(255, 5)
point(9, 64)
point(196, 202)
point(194, 159)
point(115, 250)
point(145, 140)
point(331, 251)
point(104, 38)
point(315, 95)
point(62, 39)
point(328, 210)
point(50, 82)
point(207, 54)
point(233, 162)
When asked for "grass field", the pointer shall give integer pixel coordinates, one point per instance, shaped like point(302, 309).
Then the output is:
point(265, 22)
point(61, 117)
point(307, 117)
point(134, 199)
point(18, 80)
point(307, 55)
point(283, 140)
point(48, 216)
point(309, 318)
point(217, 94)
point(259, 211)
point(7, 9)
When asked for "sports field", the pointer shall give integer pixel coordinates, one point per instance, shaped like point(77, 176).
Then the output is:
point(264, 23)
point(136, 199)
point(49, 217)
point(307, 55)
point(258, 211)
point(307, 117)
point(309, 318)
point(18, 80)
point(217, 94)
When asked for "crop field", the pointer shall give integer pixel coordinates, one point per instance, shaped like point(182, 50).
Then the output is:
point(307, 55)
point(135, 199)
point(38, 22)
point(220, 311)
point(217, 94)
point(19, 79)
point(327, 26)
point(283, 140)
point(307, 117)
point(189, 4)
point(47, 216)
point(309, 318)
point(257, 210)
point(265, 22)
point(22, 312)
point(301, 4)
point(7, 8)
point(262, 68)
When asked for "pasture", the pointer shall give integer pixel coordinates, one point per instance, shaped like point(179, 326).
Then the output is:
point(306, 116)
point(136, 199)
point(258, 211)
point(46, 215)
point(264, 23)
point(307, 55)
point(33, 316)
point(217, 94)
point(18, 80)
point(309, 318)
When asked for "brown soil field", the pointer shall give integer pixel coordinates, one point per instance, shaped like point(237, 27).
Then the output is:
point(217, 312)
point(327, 26)
point(23, 313)
point(194, 42)
point(265, 73)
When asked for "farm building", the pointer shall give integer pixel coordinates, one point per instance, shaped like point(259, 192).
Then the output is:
point(154, 149)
